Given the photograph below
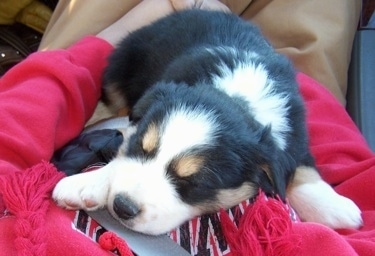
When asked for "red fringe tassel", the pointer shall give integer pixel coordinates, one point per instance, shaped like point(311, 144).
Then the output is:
point(110, 241)
point(26, 195)
point(264, 229)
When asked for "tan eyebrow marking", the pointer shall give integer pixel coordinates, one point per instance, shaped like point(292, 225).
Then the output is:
point(151, 138)
point(188, 165)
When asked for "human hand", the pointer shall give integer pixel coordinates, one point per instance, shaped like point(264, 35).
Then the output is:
point(200, 4)
point(148, 11)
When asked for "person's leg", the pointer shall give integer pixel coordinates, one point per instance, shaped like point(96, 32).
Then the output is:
point(200, 4)
point(316, 35)
point(237, 6)
point(72, 20)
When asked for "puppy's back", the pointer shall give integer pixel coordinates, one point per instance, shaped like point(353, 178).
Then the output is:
point(146, 55)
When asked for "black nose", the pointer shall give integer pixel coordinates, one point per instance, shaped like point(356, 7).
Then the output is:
point(124, 207)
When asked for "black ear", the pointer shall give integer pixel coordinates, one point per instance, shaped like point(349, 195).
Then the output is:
point(282, 169)
point(278, 165)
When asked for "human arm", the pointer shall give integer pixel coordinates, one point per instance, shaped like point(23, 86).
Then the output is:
point(73, 20)
point(46, 100)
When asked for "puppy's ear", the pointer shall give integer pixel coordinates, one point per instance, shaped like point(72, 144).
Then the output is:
point(282, 170)
point(278, 165)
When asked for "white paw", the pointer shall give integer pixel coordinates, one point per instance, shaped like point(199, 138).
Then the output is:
point(86, 191)
point(318, 202)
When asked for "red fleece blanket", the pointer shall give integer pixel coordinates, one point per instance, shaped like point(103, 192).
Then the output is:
point(35, 226)
point(346, 162)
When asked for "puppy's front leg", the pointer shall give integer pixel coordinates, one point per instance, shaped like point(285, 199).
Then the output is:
point(315, 200)
point(88, 191)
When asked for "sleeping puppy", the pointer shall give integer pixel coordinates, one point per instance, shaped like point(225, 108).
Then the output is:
point(215, 116)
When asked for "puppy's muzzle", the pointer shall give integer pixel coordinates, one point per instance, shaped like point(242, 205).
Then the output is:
point(124, 207)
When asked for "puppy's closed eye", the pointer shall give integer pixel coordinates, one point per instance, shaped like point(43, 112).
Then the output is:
point(186, 165)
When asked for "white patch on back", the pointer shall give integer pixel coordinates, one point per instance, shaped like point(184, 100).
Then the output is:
point(251, 82)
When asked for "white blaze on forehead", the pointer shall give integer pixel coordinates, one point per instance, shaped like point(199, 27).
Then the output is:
point(183, 129)
point(251, 83)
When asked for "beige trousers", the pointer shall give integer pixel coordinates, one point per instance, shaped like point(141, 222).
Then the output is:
point(316, 35)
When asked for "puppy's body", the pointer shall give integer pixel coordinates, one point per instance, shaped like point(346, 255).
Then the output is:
point(214, 64)
point(216, 115)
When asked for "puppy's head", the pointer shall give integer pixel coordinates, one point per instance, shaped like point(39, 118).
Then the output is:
point(189, 154)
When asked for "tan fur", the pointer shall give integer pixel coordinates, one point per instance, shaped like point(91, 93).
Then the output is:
point(118, 102)
point(188, 165)
point(226, 198)
point(151, 138)
point(304, 175)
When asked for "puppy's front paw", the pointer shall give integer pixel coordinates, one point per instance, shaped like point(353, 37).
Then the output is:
point(86, 191)
point(336, 211)
point(342, 213)
point(318, 202)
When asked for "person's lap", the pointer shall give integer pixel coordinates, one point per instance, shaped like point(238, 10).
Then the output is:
point(316, 35)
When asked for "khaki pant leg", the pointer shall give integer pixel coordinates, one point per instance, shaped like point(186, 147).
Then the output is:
point(316, 35)
point(74, 19)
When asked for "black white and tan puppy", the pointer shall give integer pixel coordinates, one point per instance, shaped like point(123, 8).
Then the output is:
point(215, 115)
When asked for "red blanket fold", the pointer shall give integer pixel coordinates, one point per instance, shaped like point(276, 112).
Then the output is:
point(345, 161)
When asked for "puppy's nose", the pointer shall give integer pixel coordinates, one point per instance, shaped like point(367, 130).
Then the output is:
point(124, 207)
